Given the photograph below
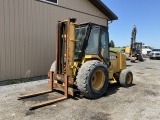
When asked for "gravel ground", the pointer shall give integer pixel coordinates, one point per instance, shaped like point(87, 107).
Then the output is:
point(138, 102)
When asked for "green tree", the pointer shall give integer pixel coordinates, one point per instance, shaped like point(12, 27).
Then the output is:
point(111, 44)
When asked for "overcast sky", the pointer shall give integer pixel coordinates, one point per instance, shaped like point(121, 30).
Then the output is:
point(145, 14)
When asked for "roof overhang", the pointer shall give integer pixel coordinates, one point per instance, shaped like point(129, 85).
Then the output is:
point(104, 9)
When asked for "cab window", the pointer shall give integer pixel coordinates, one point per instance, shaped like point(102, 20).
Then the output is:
point(93, 40)
point(104, 43)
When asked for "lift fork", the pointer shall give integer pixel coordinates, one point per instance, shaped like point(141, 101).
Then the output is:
point(48, 102)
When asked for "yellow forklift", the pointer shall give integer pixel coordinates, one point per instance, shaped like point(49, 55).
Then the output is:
point(84, 62)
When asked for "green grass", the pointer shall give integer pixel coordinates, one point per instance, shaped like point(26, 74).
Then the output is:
point(116, 49)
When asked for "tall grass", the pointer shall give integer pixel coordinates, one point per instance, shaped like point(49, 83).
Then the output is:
point(116, 49)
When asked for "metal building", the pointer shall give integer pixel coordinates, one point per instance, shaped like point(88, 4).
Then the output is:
point(28, 32)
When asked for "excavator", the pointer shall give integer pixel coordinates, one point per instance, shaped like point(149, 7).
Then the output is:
point(83, 63)
point(134, 52)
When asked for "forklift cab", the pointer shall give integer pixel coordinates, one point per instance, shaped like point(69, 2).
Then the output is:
point(137, 47)
point(92, 39)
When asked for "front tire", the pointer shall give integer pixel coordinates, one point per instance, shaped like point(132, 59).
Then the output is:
point(92, 79)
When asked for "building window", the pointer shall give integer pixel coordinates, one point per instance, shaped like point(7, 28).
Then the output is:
point(50, 1)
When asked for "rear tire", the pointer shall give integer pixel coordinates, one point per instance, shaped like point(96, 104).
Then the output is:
point(126, 78)
point(92, 79)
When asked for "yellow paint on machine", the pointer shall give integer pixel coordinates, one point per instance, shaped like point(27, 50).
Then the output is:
point(127, 50)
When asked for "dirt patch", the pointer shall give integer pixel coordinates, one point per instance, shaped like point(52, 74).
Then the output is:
point(140, 72)
point(150, 93)
point(28, 113)
point(22, 80)
point(100, 116)
point(150, 68)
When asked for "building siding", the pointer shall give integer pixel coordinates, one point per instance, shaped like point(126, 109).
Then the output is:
point(83, 6)
point(28, 33)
